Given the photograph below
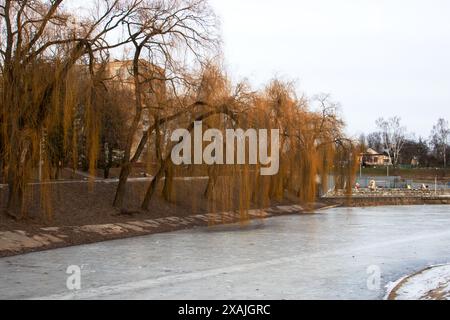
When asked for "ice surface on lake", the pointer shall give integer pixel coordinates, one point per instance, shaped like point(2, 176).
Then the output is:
point(334, 254)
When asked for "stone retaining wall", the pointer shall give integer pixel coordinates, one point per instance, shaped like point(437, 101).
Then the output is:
point(383, 201)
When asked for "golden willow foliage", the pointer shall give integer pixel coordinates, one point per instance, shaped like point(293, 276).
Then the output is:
point(58, 101)
point(313, 147)
point(38, 123)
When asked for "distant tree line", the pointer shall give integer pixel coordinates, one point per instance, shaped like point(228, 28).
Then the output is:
point(393, 139)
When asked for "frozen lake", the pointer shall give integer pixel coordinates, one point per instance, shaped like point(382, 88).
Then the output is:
point(335, 254)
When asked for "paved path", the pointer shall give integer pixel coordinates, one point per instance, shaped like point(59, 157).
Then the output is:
point(321, 256)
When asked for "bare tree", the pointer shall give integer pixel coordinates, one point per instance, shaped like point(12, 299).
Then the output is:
point(440, 138)
point(393, 137)
point(374, 141)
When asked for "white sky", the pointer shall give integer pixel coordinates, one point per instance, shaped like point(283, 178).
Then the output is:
point(376, 57)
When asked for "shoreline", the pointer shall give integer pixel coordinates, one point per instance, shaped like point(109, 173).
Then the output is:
point(426, 284)
point(17, 242)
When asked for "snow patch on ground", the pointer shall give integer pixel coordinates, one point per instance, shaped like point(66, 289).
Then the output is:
point(432, 283)
point(391, 286)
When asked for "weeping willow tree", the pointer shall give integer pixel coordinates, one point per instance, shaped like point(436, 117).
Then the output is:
point(43, 47)
point(313, 146)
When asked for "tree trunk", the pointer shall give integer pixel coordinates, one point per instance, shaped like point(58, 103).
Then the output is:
point(152, 188)
point(212, 173)
point(15, 201)
point(17, 178)
point(2, 171)
point(108, 163)
point(121, 187)
point(168, 184)
point(445, 156)
point(15, 206)
point(126, 166)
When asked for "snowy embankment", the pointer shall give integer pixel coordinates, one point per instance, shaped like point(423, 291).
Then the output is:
point(432, 283)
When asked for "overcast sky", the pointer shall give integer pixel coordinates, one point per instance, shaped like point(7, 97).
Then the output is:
point(376, 57)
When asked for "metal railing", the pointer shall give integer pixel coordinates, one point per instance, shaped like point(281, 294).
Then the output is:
point(395, 182)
